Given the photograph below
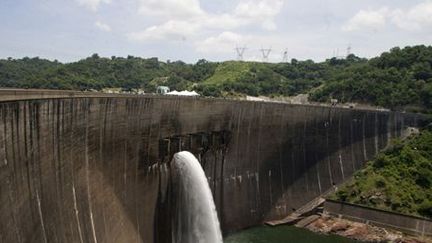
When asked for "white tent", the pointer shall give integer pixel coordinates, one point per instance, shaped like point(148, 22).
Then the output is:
point(183, 93)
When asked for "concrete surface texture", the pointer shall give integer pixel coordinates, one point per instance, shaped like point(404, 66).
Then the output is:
point(94, 169)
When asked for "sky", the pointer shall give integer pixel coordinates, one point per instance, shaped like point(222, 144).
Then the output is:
point(189, 30)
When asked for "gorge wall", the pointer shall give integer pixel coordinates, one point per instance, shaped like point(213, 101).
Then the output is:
point(77, 168)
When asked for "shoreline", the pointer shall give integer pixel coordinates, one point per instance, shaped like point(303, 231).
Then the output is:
point(326, 224)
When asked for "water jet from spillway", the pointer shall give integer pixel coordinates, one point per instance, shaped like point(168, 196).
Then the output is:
point(195, 217)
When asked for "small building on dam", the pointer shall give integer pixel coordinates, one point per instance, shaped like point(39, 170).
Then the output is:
point(89, 167)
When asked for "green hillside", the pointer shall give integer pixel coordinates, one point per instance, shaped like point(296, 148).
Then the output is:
point(228, 72)
point(398, 79)
point(399, 179)
point(267, 79)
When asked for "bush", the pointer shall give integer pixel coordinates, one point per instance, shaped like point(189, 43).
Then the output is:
point(381, 161)
point(211, 91)
point(342, 195)
point(425, 209)
point(399, 179)
point(424, 178)
point(380, 182)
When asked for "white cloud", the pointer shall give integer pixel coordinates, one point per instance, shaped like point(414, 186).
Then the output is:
point(415, 18)
point(222, 21)
point(92, 4)
point(258, 9)
point(187, 18)
point(223, 43)
point(171, 30)
point(102, 26)
point(175, 30)
point(171, 8)
point(418, 17)
point(369, 20)
point(262, 11)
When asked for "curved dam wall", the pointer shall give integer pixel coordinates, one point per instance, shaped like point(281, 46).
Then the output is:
point(96, 169)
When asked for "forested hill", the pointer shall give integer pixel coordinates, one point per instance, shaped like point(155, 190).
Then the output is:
point(396, 79)
point(209, 78)
point(398, 179)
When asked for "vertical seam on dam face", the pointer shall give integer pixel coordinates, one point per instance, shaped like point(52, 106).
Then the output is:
point(98, 169)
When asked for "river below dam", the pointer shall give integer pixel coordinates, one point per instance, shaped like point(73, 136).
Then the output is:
point(281, 234)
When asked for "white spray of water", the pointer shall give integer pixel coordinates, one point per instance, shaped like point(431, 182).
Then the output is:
point(195, 218)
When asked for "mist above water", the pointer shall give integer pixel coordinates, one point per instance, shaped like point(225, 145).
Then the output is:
point(195, 218)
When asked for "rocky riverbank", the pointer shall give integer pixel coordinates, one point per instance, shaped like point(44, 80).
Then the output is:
point(358, 231)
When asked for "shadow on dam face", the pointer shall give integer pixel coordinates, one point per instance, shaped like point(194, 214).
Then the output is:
point(90, 169)
point(282, 165)
point(316, 155)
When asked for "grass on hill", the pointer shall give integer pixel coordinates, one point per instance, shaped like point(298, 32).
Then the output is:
point(228, 72)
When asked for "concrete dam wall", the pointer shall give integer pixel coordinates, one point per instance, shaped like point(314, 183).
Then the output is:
point(95, 169)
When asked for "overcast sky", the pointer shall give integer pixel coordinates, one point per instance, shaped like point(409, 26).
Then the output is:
point(69, 30)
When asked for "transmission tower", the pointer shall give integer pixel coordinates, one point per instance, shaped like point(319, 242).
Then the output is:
point(240, 51)
point(265, 53)
point(348, 50)
point(285, 56)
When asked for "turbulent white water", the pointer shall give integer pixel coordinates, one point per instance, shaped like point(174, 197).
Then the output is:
point(195, 218)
